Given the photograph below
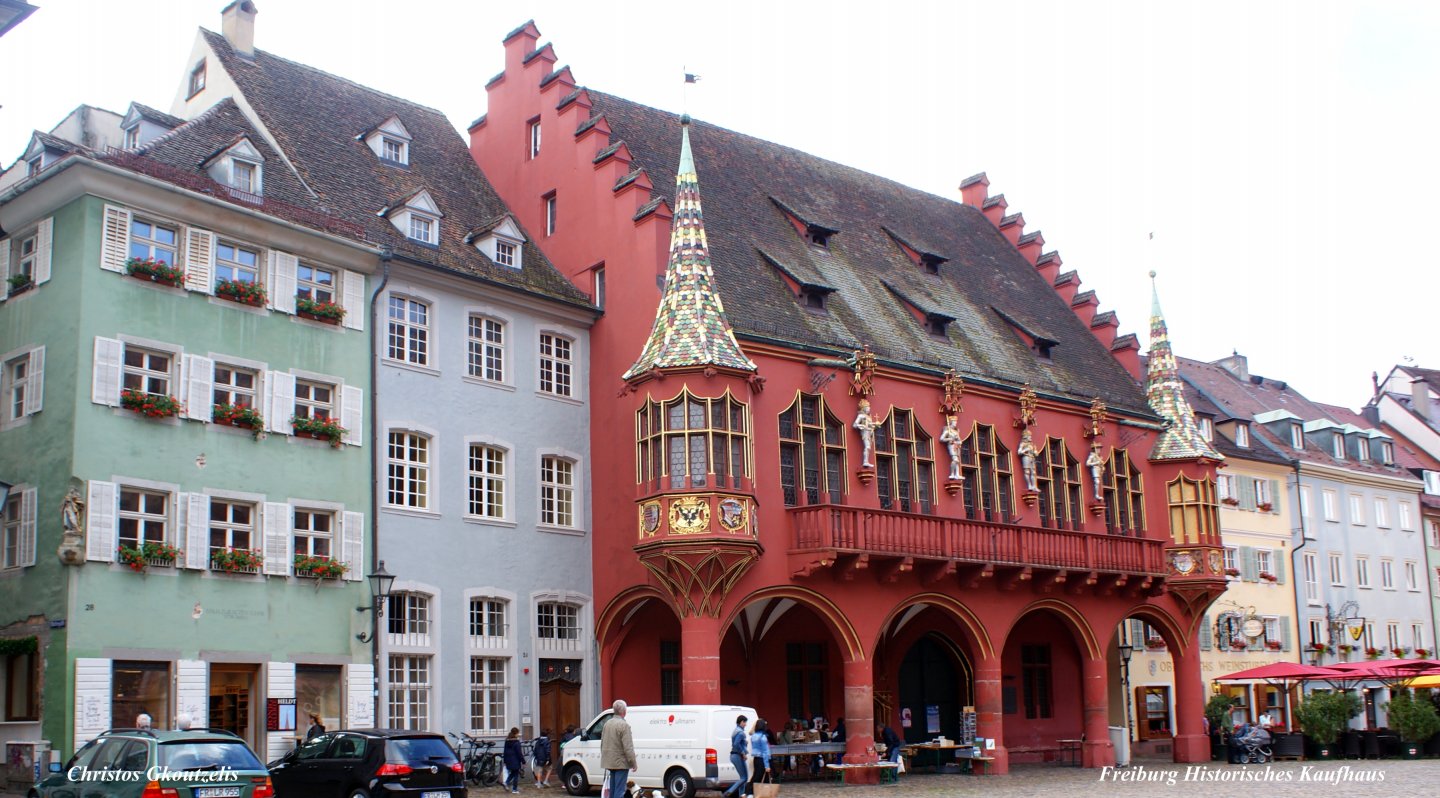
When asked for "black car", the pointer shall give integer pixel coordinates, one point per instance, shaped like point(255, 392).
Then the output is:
point(370, 763)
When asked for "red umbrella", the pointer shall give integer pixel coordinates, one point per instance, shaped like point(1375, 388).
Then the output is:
point(1281, 674)
point(1392, 672)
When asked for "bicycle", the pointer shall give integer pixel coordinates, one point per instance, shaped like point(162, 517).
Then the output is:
point(481, 763)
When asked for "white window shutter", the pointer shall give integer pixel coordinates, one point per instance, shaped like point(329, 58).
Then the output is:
point(277, 539)
point(199, 387)
point(44, 245)
point(352, 298)
point(27, 526)
point(105, 385)
point(5, 260)
point(352, 544)
point(282, 402)
point(192, 692)
point(197, 530)
point(200, 260)
point(35, 382)
point(92, 698)
point(280, 683)
point(115, 239)
point(359, 695)
point(352, 414)
point(101, 502)
point(283, 267)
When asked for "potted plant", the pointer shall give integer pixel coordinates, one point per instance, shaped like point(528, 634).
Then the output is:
point(1319, 648)
point(1217, 712)
point(1266, 576)
point(237, 561)
point(1238, 644)
point(150, 405)
point(324, 429)
point(319, 567)
point(325, 312)
point(1372, 653)
point(1153, 643)
point(1265, 507)
point(1231, 501)
point(242, 416)
point(20, 283)
point(1416, 720)
point(1232, 572)
point(1398, 652)
point(1345, 648)
point(1323, 716)
point(155, 271)
point(137, 558)
point(1273, 645)
point(1422, 653)
point(245, 292)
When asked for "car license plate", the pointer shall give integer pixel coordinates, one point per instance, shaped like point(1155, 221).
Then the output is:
point(217, 792)
point(440, 794)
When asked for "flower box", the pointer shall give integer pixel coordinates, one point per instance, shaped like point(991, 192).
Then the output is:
point(242, 292)
point(161, 555)
point(1230, 501)
point(1266, 576)
point(319, 567)
point(324, 429)
point(1232, 571)
point(236, 561)
point(150, 405)
point(1239, 645)
point(1398, 653)
point(1272, 645)
point(239, 416)
point(323, 312)
point(155, 271)
point(1265, 507)
point(1346, 648)
point(1320, 647)
point(1372, 653)
point(1422, 653)
point(1154, 642)
point(20, 283)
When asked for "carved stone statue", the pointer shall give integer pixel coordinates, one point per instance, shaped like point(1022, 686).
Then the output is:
point(950, 436)
point(72, 539)
point(1096, 464)
point(1028, 457)
point(866, 423)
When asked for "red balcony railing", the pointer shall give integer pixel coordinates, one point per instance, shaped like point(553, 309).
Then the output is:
point(886, 532)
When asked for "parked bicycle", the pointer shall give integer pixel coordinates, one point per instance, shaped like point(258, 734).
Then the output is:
point(478, 757)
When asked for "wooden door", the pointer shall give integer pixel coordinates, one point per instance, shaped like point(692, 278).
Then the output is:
point(559, 706)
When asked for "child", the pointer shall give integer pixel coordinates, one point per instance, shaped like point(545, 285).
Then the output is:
point(540, 752)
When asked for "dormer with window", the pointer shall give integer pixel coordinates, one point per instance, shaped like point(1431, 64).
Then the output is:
point(1387, 452)
point(40, 155)
point(143, 125)
point(1038, 342)
point(501, 241)
point(935, 322)
point(804, 283)
point(239, 166)
point(1327, 435)
point(1284, 425)
point(418, 218)
point(929, 262)
point(813, 232)
point(1207, 426)
point(1242, 435)
point(1357, 443)
point(390, 142)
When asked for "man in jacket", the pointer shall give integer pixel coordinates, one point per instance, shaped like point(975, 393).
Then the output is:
point(739, 747)
point(617, 750)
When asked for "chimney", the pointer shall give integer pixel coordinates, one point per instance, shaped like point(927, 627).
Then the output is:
point(1236, 364)
point(1420, 397)
point(237, 22)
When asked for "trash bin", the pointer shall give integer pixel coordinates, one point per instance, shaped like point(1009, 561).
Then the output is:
point(1120, 740)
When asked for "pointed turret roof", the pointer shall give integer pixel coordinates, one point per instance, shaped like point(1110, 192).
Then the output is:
point(690, 325)
point(1181, 439)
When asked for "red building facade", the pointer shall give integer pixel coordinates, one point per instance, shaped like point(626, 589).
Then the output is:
point(860, 451)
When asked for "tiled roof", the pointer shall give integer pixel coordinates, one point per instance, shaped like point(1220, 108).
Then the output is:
point(314, 118)
point(158, 117)
point(741, 174)
point(1181, 438)
point(1407, 454)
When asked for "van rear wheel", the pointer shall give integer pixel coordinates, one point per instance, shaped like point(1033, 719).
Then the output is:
point(576, 782)
point(678, 784)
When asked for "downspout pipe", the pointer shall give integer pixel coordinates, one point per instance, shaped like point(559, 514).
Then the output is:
point(1296, 573)
point(385, 255)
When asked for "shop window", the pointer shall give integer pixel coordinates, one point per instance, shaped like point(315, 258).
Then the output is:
point(22, 698)
point(318, 690)
point(1152, 706)
point(140, 688)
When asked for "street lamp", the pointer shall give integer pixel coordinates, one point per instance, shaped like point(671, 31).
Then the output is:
point(1126, 651)
point(380, 582)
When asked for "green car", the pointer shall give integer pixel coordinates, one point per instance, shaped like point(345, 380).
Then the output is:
point(140, 763)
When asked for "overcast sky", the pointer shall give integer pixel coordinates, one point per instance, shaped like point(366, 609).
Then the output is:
point(1262, 142)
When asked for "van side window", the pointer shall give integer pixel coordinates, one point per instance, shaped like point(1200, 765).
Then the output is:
point(594, 732)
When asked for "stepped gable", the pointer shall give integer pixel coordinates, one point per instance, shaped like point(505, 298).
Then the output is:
point(315, 118)
point(749, 184)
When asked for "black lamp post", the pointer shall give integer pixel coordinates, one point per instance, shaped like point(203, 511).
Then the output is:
point(1126, 651)
point(380, 583)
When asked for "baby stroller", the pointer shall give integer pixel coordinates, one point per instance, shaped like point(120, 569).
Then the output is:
point(1254, 745)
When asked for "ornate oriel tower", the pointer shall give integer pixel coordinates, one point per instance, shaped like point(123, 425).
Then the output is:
point(696, 528)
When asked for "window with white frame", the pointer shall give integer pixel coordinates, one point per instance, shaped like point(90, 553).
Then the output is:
point(557, 491)
point(1392, 635)
point(409, 336)
point(1330, 504)
point(486, 352)
point(244, 176)
point(600, 288)
point(1317, 631)
point(1362, 449)
point(551, 209)
point(1230, 559)
point(1368, 637)
point(1387, 452)
point(1207, 427)
point(146, 371)
point(144, 517)
point(1262, 493)
point(197, 79)
point(1337, 569)
point(1304, 501)
point(557, 621)
point(1434, 534)
point(232, 527)
point(235, 386)
point(1382, 513)
point(1337, 446)
point(409, 688)
point(1225, 486)
point(487, 481)
point(505, 253)
point(314, 283)
point(489, 695)
point(234, 263)
point(12, 525)
point(408, 614)
point(408, 470)
point(556, 364)
point(153, 241)
point(1297, 436)
point(25, 263)
point(1412, 576)
point(16, 378)
point(488, 625)
point(314, 532)
point(534, 138)
point(1357, 510)
point(422, 228)
point(132, 136)
point(1272, 629)
point(314, 399)
point(1312, 577)
point(1242, 435)
point(393, 149)
point(1407, 522)
point(1362, 571)
point(1264, 562)
point(1417, 635)
point(1387, 574)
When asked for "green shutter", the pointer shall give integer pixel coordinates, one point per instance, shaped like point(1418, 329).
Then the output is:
point(1137, 633)
point(1246, 486)
point(1277, 561)
point(1206, 633)
point(1275, 497)
point(1249, 568)
point(1284, 633)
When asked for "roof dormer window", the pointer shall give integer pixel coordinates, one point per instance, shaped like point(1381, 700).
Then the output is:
point(395, 150)
point(501, 241)
point(245, 176)
point(390, 142)
point(813, 298)
point(818, 236)
point(239, 166)
point(1297, 437)
point(422, 228)
point(1207, 427)
point(132, 136)
point(417, 217)
point(1242, 436)
point(931, 263)
point(1337, 446)
point(935, 325)
point(1362, 449)
point(34, 165)
point(1387, 452)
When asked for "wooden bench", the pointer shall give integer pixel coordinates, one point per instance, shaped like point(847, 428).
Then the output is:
point(888, 771)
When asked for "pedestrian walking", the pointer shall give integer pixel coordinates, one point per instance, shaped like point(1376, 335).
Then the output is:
point(540, 753)
point(617, 750)
point(739, 747)
point(759, 753)
point(514, 758)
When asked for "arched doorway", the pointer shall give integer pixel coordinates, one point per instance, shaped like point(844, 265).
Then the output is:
point(640, 650)
point(1041, 691)
point(936, 683)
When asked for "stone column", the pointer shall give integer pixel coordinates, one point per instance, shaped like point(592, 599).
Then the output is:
point(700, 659)
point(1191, 744)
point(1095, 691)
point(989, 713)
point(859, 712)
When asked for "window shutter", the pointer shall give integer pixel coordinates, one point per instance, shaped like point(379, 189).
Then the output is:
point(5, 261)
point(1249, 566)
point(352, 414)
point(1142, 728)
point(281, 295)
point(197, 530)
point(1284, 633)
point(1247, 492)
point(1137, 633)
point(115, 240)
point(1275, 496)
point(44, 245)
point(282, 402)
point(352, 298)
point(200, 260)
point(192, 691)
point(27, 526)
point(35, 382)
point(352, 537)
point(199, 388)
point(280, 683)
point(92, 698)
point(360, 695)
point(105, 385)
point(1277, 562)
point(277, 539)
point(100, 506)
point(1206, 633)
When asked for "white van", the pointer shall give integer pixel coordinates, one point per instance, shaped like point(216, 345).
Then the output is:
point(677, 748)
